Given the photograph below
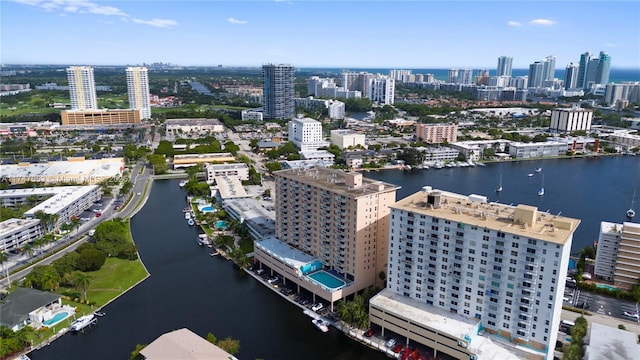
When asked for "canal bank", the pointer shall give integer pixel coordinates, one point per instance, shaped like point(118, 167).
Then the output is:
point(189, 288)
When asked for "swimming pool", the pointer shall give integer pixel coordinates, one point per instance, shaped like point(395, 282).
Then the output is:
point(207, 209)
point(327, 279)
point(220, 224)
point(56, 318)
point(608, 287)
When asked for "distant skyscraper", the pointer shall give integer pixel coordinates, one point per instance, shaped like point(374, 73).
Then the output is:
point(582, 72)
point(382, 90)
point(571, 76)
point(138, 90)
point(604, 66)
point(536, 74)
point(82, 88)
point(278, 87)
point(548, 68)
point(504, 66)
point(453, 76)
point(465, 76)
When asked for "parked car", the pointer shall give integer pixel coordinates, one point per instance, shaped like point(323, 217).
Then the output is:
point(317, 306)
point(259, 271)
point(391, 343)
point(369, 333)
point(631, 315)
point(273, 280)
point(98, 214)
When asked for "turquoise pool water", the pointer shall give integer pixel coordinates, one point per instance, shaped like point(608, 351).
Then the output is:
point(56, 318)
point(221, 224)
point(327, 279)
point(207, 209)
point(608, 287)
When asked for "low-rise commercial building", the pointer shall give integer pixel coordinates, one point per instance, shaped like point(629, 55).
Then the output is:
point(322, 155)
point(188, 126)
point(259, 220)
point(100, 117)
point(15, 233)
point(74, 170)
point(605, 342)
point(187, 160)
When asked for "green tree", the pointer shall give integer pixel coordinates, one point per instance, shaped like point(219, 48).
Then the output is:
point(212, 338)
point(81, 282)
point(229, 345)
point(3, 258)
point(135, 354)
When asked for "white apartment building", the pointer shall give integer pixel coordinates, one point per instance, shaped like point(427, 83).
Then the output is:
point(335, 109)
point(518, 150)
point(65, 201)
point(138, 90)
point(437, 133)
point(239, 170)
point(331, 228)
point(382, 90)
point(618, 254)
point(306, 133)
point(82, 88)
point(344, 138)
point(570, 120)
point(324, 156)
point(15, 233)
point(625, 139)
point(460, 267)
point(624, 91)
point(252, 115)
point(473, 150)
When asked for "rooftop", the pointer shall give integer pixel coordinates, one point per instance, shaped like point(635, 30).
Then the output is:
point(285, 253)
point(16, 307)
point(10, 225)
point(230, 187)
point(62, 196)
point(83, 170)
point(454, 325)
point(522, 220)
point(185, 345)
point(338, 181)
point(612, 344)
point(203, 156)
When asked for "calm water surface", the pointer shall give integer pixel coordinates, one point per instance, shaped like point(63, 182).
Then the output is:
point(189, 288)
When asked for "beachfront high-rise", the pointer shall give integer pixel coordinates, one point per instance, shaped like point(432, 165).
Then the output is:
point(504, 66)
point(571, 73)
point(594, 70)
point(138, 90)
point(462, 270)
point(332, 229)
point(278, 89)
point(604, 68)
point(536, 75)
point(82, 88)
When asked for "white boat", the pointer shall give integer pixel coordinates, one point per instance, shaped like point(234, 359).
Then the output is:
point(631, 213)
point(182, 183)
point(539, 168)
point(499, 189)
point(191, 222)
point(82, 322)
point(187, 216)
point(541, 191)
point(530, 175)
point(321, 325)
point(202, 239)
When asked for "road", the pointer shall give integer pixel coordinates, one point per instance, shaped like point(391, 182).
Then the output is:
point(79, 236)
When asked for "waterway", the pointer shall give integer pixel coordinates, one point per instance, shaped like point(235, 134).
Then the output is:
point(589, 189)
point(188, 288)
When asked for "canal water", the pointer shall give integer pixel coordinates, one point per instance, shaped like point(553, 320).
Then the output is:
point(590, 189)
point(188, 288)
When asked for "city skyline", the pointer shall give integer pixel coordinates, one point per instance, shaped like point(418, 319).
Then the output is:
point(317, 34)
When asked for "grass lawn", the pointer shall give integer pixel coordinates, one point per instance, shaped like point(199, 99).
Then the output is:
point(115, 276)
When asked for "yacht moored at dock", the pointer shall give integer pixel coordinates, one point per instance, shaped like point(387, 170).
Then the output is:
point(82, 322)
point(321, 325)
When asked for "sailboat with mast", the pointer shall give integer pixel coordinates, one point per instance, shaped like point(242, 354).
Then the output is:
point(631, 213)
point(499, 188)
point(541, 191)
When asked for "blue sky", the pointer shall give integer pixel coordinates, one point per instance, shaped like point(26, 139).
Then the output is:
point(357, 34)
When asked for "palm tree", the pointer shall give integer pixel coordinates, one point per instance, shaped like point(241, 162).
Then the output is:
point(28, 249)
point(3, 258)
point(81, 281)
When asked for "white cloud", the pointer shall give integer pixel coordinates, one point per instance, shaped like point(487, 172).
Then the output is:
point(513, 23)
point(543, 22)
point(236, 21)
point(610, 45)
point(161, 23)
point(92, 7)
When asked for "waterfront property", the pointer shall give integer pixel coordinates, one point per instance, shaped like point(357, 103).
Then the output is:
point(15, 233)
point(339, 218)
point(73, 170)
point(183, 344)
point(26, 306)
point(497, 266)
